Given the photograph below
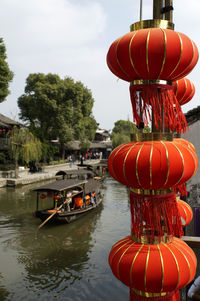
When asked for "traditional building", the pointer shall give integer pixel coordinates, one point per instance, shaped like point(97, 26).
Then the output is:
point(101, 146)
point(193, 185)
point(6, 125)
point(193, 135)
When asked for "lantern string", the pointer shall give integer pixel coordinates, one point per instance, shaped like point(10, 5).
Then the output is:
point(159, 100)
point(155, 216)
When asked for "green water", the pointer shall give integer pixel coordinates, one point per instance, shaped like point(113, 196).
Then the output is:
point(62, 262)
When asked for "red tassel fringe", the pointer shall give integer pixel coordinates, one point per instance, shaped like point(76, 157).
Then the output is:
point(175, 296)
point(155, 216)
point(181, 189)
point(157, 98)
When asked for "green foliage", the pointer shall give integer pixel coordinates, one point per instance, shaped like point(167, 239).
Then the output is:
point(48, 152)
point(6, 75)
point(147, 129)
point(2, 158)
point(23, 146)
point(122, 131)
point(118, 139)
point(85, 145)
point(7, 167)
point(124, 127)
point(57, 108)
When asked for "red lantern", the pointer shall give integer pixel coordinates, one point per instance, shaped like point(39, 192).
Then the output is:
point(152, 54)
point(184, 90)
point(150, 164)
point(43, 196)
point(145, 58)
point(185, 211)
point(56, 197)
point(153, 270)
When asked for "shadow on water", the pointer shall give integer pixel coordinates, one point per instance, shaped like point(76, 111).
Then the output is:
point(62, 262)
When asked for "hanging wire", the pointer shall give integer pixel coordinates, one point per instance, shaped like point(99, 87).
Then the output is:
point(140, 10)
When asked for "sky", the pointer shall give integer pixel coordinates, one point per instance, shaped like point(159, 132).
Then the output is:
point(72, 38)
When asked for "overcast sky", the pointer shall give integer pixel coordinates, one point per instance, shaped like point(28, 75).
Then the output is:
point(72, 37)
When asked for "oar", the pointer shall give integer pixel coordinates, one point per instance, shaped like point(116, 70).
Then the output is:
point(48, 218)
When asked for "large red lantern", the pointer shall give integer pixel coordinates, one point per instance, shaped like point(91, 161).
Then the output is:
point(146, 58)
point(150, 164)
point(184, 90)
point(151, 54)
point(153, 270)
point(148, 168)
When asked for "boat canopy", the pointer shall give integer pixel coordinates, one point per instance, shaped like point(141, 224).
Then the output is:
point(61, 185)
point(74, 172)
point(92, 185)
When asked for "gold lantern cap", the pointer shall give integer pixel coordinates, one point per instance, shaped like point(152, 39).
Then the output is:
point(153, 136)
point(154, 23)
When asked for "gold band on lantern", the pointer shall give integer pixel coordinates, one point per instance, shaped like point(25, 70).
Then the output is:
point(155, 23)
point(151, 192)
point(146, 240)
point(154, 136)
point(151, 82)
point(149, 294)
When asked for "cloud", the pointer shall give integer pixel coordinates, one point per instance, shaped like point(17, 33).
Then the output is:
point(72, 37)
point(49, 26)
point(57, 36)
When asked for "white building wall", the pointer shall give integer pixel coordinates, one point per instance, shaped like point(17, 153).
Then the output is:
point(193, 185)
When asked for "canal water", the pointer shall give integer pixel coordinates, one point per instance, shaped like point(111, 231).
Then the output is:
point(63, 262)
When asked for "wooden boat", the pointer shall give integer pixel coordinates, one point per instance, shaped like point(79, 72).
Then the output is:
point(70, 199)
point(79, 174)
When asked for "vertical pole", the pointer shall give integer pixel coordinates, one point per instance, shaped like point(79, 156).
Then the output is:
point(169, 15)
point(157, 5)
point(140, 10)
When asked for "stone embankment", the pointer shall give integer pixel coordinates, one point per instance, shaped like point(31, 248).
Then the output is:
point(26, 177)
point(7, 178)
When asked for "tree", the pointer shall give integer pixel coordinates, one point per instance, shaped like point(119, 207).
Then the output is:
point(22, 145)
point(58, 108)
point(6, 75)
point(122, 131)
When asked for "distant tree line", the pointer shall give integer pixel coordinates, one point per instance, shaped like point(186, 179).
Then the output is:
point(122, 131)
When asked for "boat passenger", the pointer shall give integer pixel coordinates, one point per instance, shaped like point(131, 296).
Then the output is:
point(94, 197)
point(78, 202)
point(69, 201)
point(93, 201)
point(87, 199)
